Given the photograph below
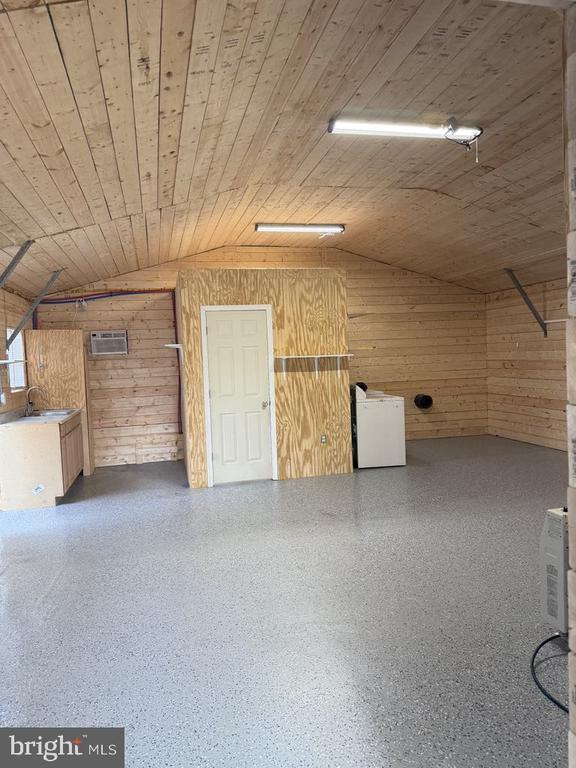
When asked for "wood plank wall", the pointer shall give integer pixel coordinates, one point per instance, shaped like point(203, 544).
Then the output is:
point(12, 308)
point(412, 334)
point(308, 317)
point(409, 333)
point(527, 371)
point(134, 399)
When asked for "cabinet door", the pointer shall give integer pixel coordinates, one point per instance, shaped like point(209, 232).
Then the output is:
point(56, 364)
point(72, 456)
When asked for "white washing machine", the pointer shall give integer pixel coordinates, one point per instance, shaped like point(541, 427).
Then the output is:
point(380, 432)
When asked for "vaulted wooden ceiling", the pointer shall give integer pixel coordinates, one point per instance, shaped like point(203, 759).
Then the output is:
point(134, 132)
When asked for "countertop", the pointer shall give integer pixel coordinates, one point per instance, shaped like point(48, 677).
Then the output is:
point(56, 416)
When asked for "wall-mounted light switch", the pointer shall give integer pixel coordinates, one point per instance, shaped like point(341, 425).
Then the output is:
point(323, 439)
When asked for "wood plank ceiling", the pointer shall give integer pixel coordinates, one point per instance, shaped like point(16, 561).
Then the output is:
point(133, 132)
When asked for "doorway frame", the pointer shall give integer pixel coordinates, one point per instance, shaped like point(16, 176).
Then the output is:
point(204, 310)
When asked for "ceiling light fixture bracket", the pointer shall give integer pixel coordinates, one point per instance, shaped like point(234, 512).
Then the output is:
point(451, 135)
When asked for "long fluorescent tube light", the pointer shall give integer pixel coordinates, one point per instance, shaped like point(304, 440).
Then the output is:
point(322, 229)
point(407, 130)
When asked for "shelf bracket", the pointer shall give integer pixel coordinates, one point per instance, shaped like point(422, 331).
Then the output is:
point(16, 259)
point(30, 311)
point(527, 300)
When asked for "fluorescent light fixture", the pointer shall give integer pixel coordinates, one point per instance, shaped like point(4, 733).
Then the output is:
point(321, 229)
point(408, 130)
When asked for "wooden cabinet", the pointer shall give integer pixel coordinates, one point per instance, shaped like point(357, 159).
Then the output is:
point(57, 364)
point(39, 461)
point(71, 451)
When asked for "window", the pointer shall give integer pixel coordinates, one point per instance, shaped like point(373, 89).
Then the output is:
point(16, 371)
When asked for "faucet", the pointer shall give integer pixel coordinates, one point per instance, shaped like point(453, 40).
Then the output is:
point(29, 406)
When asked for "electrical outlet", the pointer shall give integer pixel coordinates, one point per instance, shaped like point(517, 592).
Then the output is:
point(323, 439)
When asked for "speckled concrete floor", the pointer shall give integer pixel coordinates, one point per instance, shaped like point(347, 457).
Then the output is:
point(383, 619)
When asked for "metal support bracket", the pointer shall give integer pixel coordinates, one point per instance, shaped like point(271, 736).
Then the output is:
point(16, 259)
point(527, 300)
point(30, 311)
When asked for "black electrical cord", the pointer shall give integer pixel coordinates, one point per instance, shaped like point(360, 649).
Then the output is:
point(549, 696)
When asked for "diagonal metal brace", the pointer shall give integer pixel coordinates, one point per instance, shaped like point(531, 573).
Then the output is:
point(30, 311)
point(527, 300)
point(16, 259)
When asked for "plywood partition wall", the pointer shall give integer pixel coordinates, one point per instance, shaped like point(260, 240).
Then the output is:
point(308, 317)
point(527, 370)
point(57, 364)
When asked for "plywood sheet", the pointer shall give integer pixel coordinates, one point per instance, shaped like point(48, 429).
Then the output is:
point(56, 364)
point(308, 317)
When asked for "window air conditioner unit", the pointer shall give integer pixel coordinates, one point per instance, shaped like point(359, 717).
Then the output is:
point(109, 342)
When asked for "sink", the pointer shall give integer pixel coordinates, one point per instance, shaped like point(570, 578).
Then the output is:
point(55, 414)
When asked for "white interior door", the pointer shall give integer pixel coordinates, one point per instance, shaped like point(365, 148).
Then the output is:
point(239, 394)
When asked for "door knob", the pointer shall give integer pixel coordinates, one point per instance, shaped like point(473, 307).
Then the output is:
point(265, 404)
